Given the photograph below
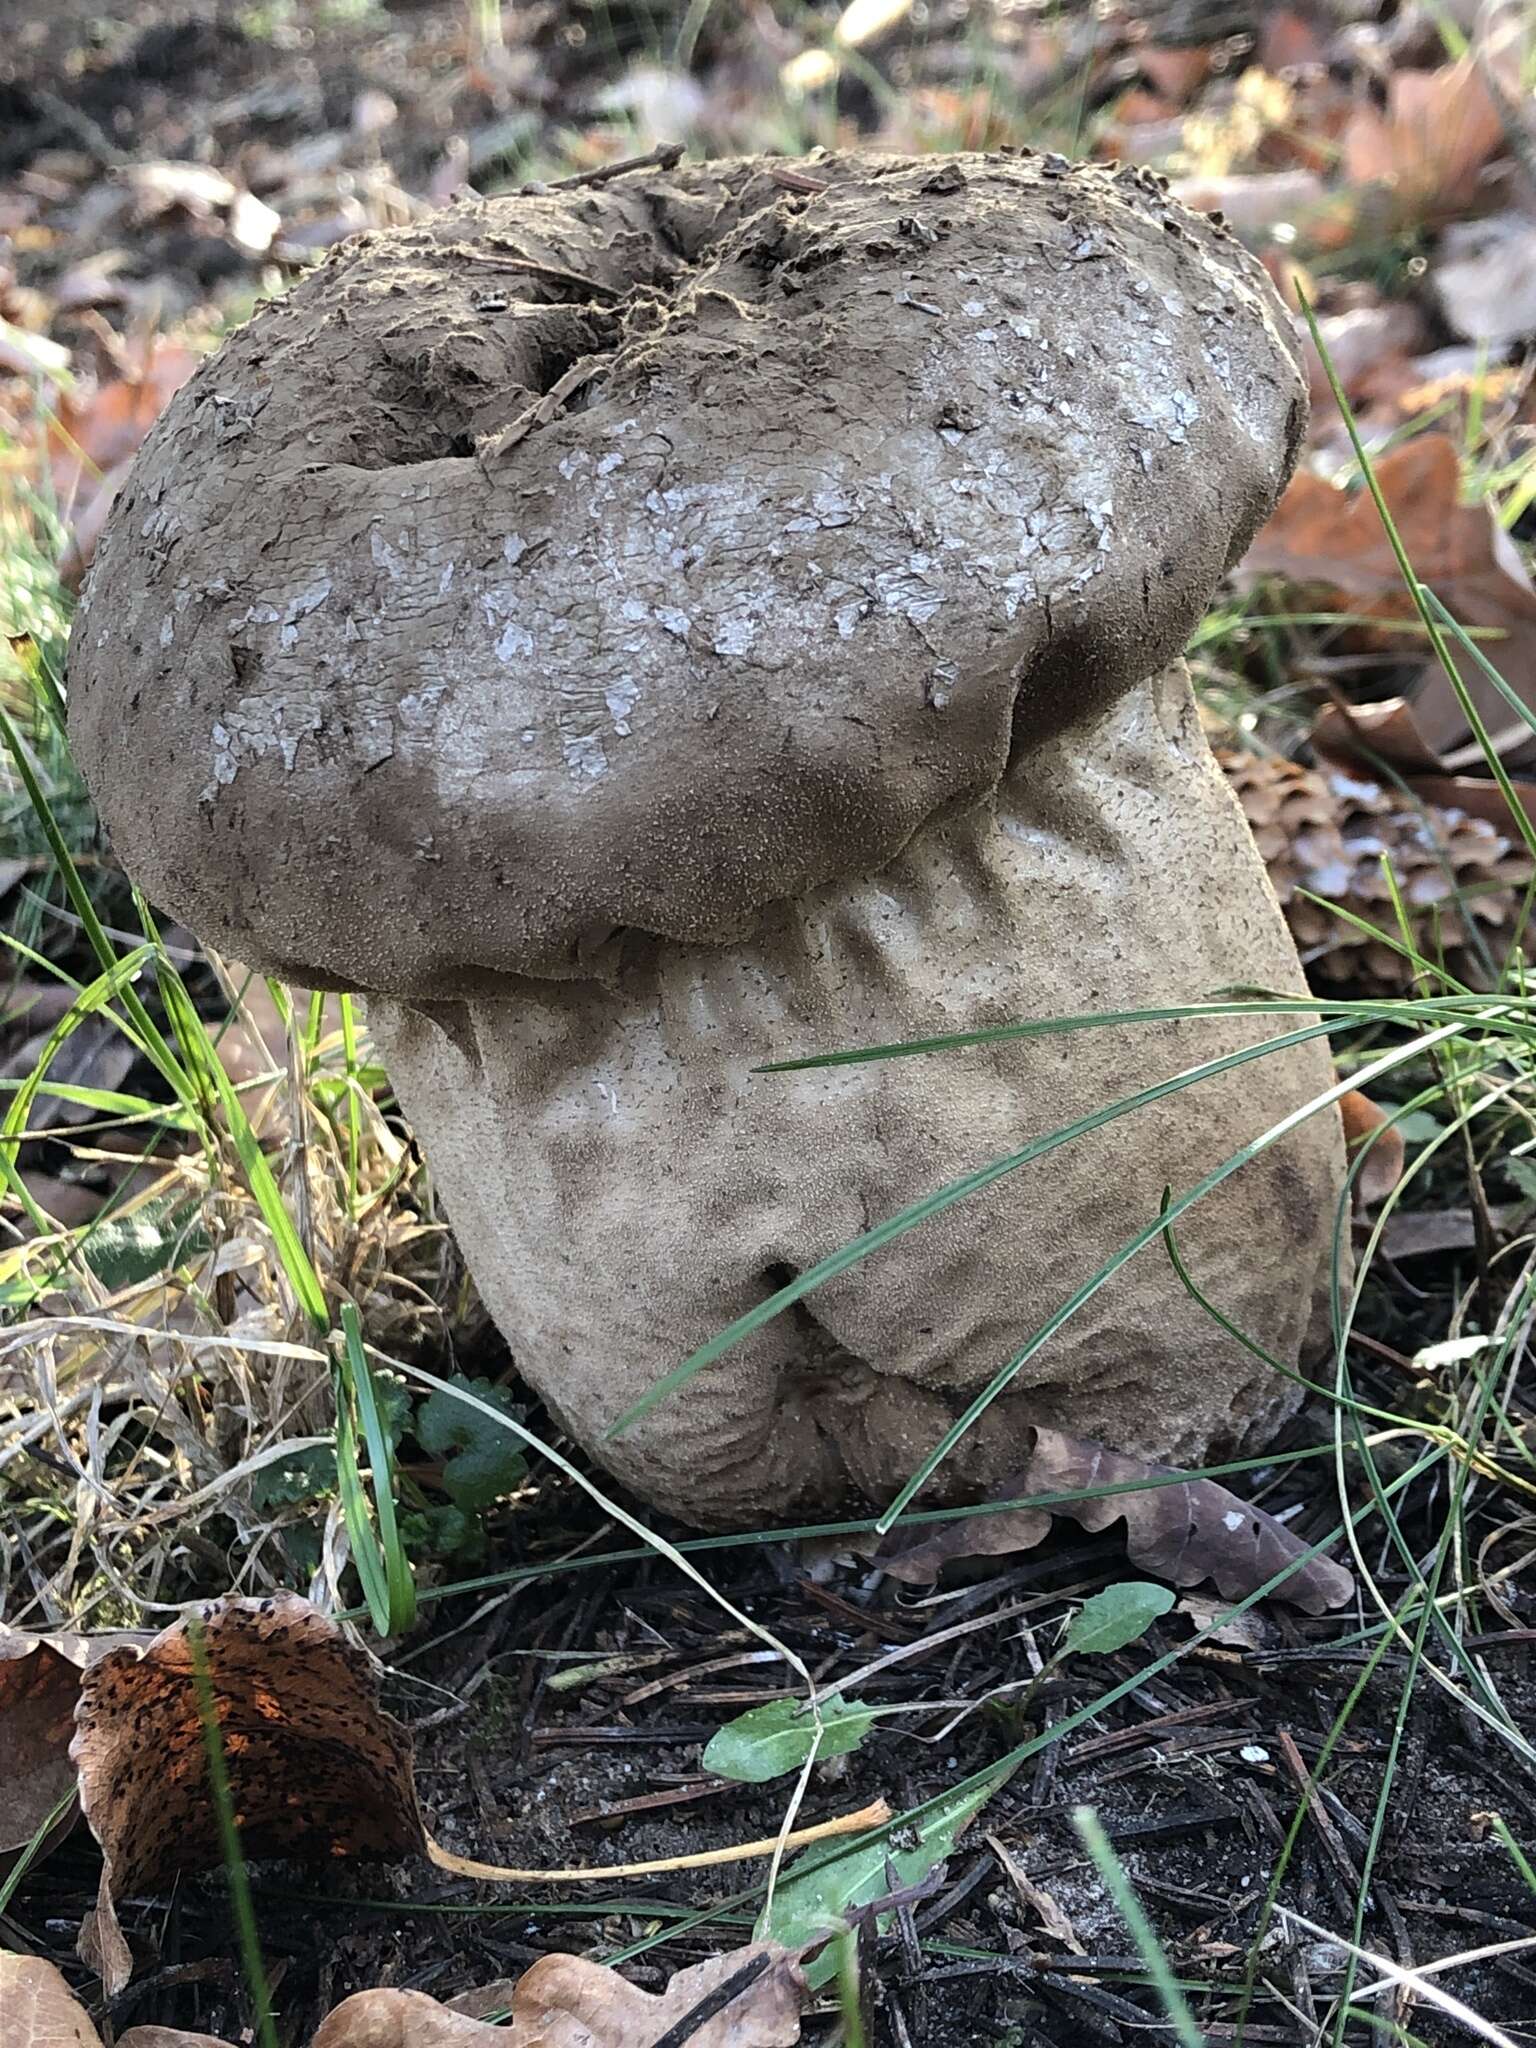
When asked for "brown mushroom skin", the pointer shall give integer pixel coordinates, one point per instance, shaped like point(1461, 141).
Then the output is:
point(638, 635)
point(624, 1184)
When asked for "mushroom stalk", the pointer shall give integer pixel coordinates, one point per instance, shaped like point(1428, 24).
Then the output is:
point(625, 1182)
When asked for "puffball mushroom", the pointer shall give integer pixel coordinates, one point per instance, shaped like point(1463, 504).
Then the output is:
point(639, 633)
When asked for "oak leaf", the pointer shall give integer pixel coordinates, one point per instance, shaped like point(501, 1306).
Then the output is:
point(38, 2007)
point(1331, 539)
point(167, 2037)
point(1184, 1529)
point(39, 1685)
point(749, 1998)
point(1430, 142)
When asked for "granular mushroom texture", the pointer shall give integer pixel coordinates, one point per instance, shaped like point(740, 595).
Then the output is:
point(637, 634)
point(1331, 832)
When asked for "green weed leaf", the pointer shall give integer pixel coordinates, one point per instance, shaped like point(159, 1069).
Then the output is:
point(125, 1251)
point(819, 1889)
point(1418, 1127)
point(1117, 1616)
point(446, 1532)
point(480, 1460)
point(306, 1476)
point(768, 1742)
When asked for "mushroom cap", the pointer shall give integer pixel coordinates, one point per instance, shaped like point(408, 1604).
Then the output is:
point(633, 558)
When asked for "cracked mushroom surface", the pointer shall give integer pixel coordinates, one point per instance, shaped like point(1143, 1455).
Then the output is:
point(638, 633)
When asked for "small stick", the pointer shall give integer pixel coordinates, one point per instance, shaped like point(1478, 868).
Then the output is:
point(1312, 1803)
point(743, 1852)
point(542, 410)
point(533, 268)
point(666, 157)
point(715, 2002)
point(797, 181)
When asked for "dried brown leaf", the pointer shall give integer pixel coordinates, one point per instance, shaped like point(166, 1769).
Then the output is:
point(1383, 1166)
point(749, 1998)
point(1426, 1233)
point(40, 1678)
point(1430, 142)
point(316, 1768)
point(96, 1054)
point(38, 2007)
point(1184, 1532)
point(68, 1202)
point(1389, 729)
point(1288, 39)
point(93, 438)
point(409, 2019)
point(1248, 1631)
point(95, 431)
point(1046, 1909)
point(167, 2037)
point(1327, 538)
point(32, 1004)
point(1478, 797)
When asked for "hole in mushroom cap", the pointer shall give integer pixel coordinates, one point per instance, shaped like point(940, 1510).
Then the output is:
point(437, 389)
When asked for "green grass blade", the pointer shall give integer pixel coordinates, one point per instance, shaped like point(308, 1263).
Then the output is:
point(229, 1838)
point(1501, 1828)
point(399, 1585)
point(10, 1883)
point(366, 1554)
point(1111, 1870)
point(1463, 638)
point(1134, 1244)
point(101, 944)
point(934, 1205)
point(296, 1262)
point(1385, 1010)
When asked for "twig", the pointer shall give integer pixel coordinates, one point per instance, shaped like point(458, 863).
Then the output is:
point(665, 157)
point(796, 181)
point(532, 267)
point(741, 1852)
point(543, 410)
point(1311, 1799)
point(86, 134)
